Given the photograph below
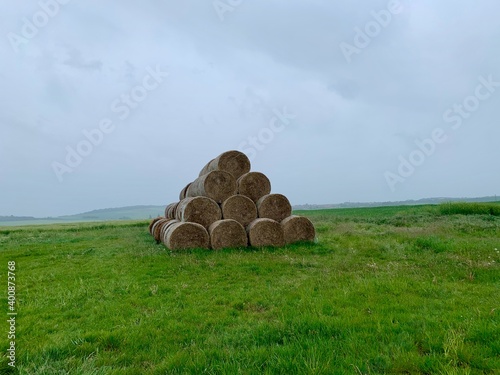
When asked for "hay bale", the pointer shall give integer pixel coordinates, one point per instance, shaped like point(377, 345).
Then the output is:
point(233, 162)
point(265, 232)
point(156, 229)
point(217, 185)
point(254, 185)
point(298, 228)
point(165, 227)
point(201, 210)
point(183, 235)
point(183, 192)
point(227, 233)
point(150, 227)
point(170, 210)
point(274, 206)
point(239, 208)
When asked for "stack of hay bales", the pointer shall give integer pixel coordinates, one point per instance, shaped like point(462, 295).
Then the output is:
point(230, 206)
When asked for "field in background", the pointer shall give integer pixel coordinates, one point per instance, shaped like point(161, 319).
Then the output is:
point(385, 290)
point(107, 214)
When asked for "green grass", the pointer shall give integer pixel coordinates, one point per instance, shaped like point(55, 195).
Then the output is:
point(464, 208)
point(385, 290)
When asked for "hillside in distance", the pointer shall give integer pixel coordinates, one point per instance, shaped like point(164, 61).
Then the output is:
point(145, 212)
point(411, 202)
point(106, 214)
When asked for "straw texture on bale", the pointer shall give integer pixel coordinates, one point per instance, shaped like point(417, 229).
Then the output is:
point(265, 232)
point(254, 185)
point(239, 208)
point(165, 227)
point(274, 206)
point(157, 228)
point(234, 162)
point(170, 210)
point(183, 235)
point(201, 210)
point(183, 192)
point(298, 228)
point(227, 233)
point(150, 227)
point(217, 185)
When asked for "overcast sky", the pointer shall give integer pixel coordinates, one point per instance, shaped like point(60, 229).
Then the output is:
point(107, 105)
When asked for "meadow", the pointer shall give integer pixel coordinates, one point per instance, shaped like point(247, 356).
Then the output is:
point(390, 290)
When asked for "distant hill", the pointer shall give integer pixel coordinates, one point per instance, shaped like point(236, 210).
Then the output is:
point(120, 213)
point(147, 212)
point(106, 214)
point(397, 203)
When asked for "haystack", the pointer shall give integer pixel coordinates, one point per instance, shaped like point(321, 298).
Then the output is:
point(184, 235)
point(298, 228)
point(234, 162)
point(265, 232)
point(274, 206)
point(227, 233)
point(217, 185)
point(170, 210)
point(254, 185)
point(165, 227)
point(150, 227)
point(239, 208)
point(183, 192)
point(201, 210)
point(156, 228)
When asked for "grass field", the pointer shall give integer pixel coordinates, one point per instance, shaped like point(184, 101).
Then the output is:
point(385, 290)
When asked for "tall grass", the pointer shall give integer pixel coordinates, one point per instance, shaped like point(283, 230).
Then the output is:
point(464, 208)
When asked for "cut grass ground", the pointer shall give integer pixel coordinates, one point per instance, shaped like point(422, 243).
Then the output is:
point(385, 290)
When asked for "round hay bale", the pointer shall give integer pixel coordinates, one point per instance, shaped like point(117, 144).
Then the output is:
point(201, 210)
point(239, 208)
point(274, 206)
point(183, 192)
point(165, 227)
point(233, 162)
point(183, 235)
point(265, 232)
point(170, 210)
point(227, 233)
point(150, 227)
point(254, 185)
point(205, 168)
point(217, 185)
point(298, 228)
point(156, 229)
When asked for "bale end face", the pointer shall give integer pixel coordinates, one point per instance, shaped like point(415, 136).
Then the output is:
point(234, 162)
point(265, 232)
point(227, 234)
point(253, 185)
point(201, 210)
point(239, 208)
point(216, 185)
point(184, 235)
point(274, 206)
point(297, 229)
